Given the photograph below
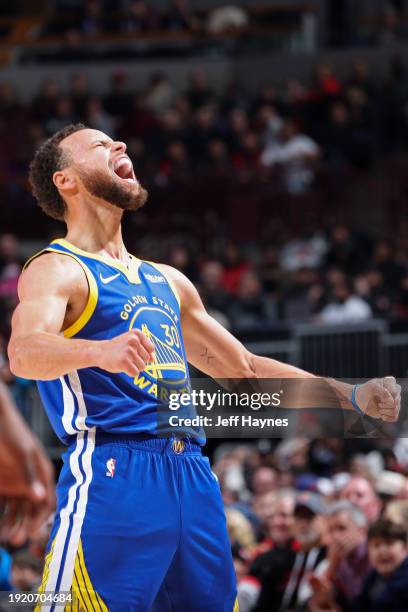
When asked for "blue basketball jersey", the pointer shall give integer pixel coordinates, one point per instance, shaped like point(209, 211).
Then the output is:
point(120, 299)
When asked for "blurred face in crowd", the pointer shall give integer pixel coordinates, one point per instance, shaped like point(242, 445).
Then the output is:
point(386, 555)
point(100, 167)
point(249, 286)
point(343, 531)
point(307, 527)
point(211, 275)
point(8, 247)
point(241, 568)
point(360, 492)
point(264, 480)
point(279, 520)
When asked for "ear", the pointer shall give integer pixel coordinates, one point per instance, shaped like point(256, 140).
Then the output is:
point(63, 180)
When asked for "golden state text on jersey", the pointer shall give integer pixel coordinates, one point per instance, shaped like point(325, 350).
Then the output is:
point(141, 297)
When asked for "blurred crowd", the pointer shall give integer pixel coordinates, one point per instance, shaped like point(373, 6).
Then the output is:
point(291, 220)
point(381, 22)
point(95, 17)
point(317, 525)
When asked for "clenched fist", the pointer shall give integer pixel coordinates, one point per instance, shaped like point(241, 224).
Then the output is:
point(130, 352)
point(380, 398)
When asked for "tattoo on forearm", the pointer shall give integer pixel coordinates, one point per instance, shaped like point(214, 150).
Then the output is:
point(207, 355)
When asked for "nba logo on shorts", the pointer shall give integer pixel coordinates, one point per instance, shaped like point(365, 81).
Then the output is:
point(110, 466)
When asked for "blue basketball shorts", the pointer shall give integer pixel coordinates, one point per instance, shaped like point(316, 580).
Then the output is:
point(139, 527)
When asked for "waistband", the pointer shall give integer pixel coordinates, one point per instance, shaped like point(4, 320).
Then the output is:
point(173, 444)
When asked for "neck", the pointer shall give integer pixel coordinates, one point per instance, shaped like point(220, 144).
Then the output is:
point(95, 226)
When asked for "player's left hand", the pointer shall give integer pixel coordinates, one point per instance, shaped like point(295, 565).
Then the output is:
point(380, 398)
point(26, 478)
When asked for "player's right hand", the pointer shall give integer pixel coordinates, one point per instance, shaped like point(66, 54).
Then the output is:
point(130, 353)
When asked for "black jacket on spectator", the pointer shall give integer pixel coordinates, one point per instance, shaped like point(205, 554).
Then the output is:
point(281, 572)
point(384, 594)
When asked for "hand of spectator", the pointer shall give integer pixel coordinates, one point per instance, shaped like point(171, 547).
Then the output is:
point(380, 398)
point(323, 595)
point(339, 550)
point(26, 476)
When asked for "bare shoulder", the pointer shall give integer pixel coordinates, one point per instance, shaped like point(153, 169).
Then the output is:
point(50, 272)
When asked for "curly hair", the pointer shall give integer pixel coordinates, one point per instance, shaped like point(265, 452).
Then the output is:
point(50, 158)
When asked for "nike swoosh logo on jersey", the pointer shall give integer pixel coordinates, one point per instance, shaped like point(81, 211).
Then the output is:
point(108, 279)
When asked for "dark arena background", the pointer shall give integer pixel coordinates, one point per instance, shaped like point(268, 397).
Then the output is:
point(272, 137)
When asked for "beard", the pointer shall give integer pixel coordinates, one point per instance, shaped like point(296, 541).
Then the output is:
point(103, 186)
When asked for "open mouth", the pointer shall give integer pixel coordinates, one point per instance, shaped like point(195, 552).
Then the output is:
point(123, 168)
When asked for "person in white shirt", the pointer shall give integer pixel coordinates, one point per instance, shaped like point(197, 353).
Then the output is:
point(345, 307)
point(296, 153)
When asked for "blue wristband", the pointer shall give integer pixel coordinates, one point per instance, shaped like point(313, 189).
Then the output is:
point(354, 402)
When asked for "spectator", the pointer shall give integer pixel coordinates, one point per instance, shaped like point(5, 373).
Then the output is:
point(26, 572)
point(79, 93)
point(139, 17)
point(175, 165)
point(360, 77)
point(10, 268)
point(204, 128)
point(160, 94)
point(180, 16)
point(181, 258)
point(92, 21)
point(218, 157)
point(325, 89)
point(235, 266)
point(360, 492)
point(397, 512)
point(239, 530)
point(304, 251)
point(343, 252)
point(97, 118)
point(302, 297)
point(63, 115)
point(386, 586)
point(297, 154)
point(118, 101)
point(275, 511)
point(263, 480)
point(344, 307)
point(140, 122)
point(251, 308)
point(44, 104)
point(237, 125)
point(268, 269)
point(199, 92)
point(212, 290)
point(339, 578)
point(337, 136)
point(391, 29)
point(279, 577)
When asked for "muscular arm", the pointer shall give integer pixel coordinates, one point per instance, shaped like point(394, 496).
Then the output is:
point(216, 352)
point(37, 348)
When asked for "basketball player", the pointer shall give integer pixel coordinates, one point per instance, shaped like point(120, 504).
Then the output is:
point(26, 476)
point(140, 523)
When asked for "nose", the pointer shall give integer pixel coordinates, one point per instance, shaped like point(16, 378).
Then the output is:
point(119, 146)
